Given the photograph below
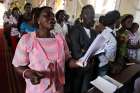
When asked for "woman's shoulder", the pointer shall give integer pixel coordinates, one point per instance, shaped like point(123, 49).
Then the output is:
point(60, 35)
point(27, 37)
point(26, 40)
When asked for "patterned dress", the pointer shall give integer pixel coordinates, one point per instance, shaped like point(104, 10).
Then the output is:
point(133, 40)
point(38, 54)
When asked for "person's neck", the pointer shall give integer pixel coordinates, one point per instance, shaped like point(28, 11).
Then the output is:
point(132, 32)
point(111, 26)
point(43, 33)
point(123, 29)
point(60, 23)
point(27, 12)
point(86, 26)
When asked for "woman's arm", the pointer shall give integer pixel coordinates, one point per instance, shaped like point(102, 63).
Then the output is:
point(130, 46)
point(26, 72)
point(71, 62)
point(133, 46)
point(21, 61)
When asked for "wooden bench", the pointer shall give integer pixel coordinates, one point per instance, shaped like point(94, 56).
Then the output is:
point(122, 77)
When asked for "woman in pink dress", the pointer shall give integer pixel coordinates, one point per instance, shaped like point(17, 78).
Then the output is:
point(40, 57)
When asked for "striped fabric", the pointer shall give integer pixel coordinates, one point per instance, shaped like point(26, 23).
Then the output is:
point(133, 40)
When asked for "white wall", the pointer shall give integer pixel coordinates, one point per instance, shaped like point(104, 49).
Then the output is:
point(2, 10)
point(127, 6)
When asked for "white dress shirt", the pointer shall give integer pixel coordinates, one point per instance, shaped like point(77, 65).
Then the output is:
point(63, 30)
point(110, 45)
point(87, 32)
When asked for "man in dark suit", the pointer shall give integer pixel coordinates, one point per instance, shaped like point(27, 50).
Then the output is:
point(81, 36)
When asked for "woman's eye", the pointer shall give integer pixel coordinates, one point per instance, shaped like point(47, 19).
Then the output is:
point(44, 15)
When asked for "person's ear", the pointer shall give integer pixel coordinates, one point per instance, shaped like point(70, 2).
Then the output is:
point(38, 22)
point(81, 20)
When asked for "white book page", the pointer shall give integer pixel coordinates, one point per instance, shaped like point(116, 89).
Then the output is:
point(118, 84)
point(95, 48)
point(104, 85)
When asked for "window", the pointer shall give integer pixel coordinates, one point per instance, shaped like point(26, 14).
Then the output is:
point(103, 6)
point(59, 4)
point(137, 12)
point(2, 10)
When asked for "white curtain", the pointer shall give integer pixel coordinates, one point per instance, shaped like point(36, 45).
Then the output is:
point(7, 3)
point(103, 6)
point(2, 10)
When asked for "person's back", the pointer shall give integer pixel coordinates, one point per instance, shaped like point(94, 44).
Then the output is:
point(109, 48)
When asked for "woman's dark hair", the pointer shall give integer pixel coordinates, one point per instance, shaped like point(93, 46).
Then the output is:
point(134, 25)
point(27, 4)
point(111, 18)
point(125, 17)
point(59, 13)
point(35, 12)
point(15, 9)
point(40, 10)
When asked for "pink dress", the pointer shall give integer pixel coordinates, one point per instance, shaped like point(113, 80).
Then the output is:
point(38, 54)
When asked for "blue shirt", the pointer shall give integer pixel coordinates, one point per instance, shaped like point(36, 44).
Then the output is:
point(25, 27)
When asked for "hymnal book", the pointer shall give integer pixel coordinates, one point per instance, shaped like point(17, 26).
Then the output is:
point(96, 47)
point(106, 84)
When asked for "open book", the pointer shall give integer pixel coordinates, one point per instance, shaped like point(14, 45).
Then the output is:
point(106, 84)
point(95, 48)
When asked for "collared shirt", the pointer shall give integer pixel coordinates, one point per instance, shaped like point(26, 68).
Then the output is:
point(63, 30)
point(110, 45)
point(87, 32)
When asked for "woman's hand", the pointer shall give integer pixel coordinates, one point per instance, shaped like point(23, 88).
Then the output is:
point(72, 63)
point(34, 76)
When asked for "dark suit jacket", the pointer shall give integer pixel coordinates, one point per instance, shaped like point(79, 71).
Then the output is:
point(79, 41)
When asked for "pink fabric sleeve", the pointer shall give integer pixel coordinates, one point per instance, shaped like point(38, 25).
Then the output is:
point(66, 48)
point(21, 57)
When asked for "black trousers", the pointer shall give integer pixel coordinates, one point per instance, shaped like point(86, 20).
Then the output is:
point(81, 77)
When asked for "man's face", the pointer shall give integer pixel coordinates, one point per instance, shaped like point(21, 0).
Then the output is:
point(88, 21)
point(28, 8)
